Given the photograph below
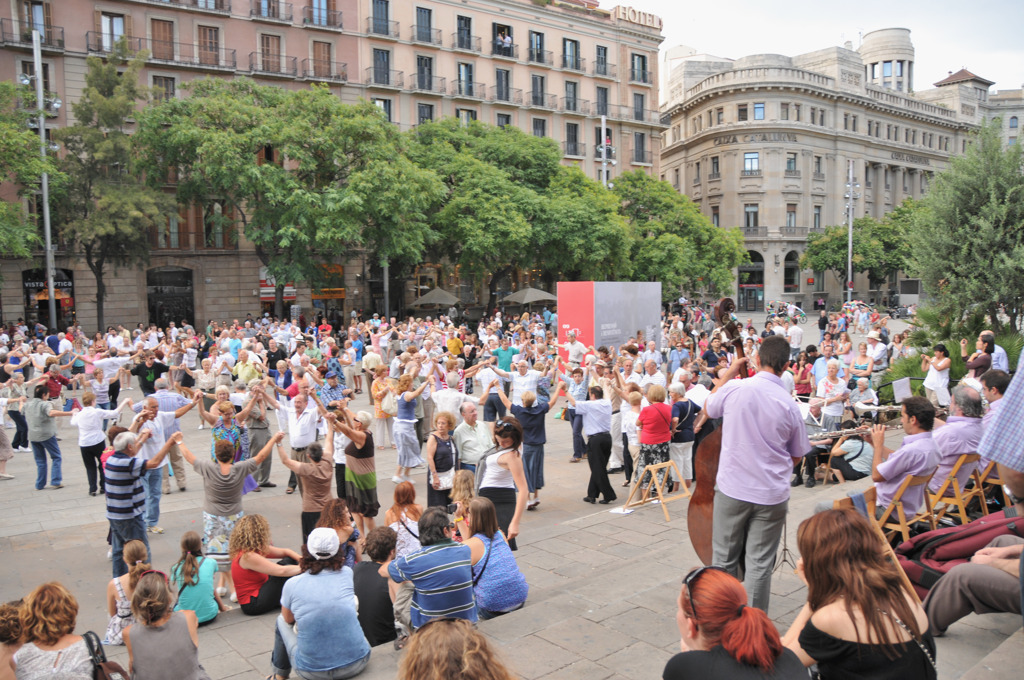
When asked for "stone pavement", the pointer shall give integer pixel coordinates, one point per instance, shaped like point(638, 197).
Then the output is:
point(603, 587)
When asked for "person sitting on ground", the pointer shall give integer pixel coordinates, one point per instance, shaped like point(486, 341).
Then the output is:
point(403, 517)
point(163, 644)
point(318, 632)
point(498, 585)
point(440, 572)
point(194, 576)
point(120, 589)
point(376, 610)
point(258, 581)
point(451, 649)
point(10, 637)
point(722, 638)
point(50, 649)
point(917, 456)
point(859, 620)
point(335, 515)
point(852, 455)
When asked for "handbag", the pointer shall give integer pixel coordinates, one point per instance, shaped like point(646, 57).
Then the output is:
point(445, 479)
point(389, 404)
point(102, 669)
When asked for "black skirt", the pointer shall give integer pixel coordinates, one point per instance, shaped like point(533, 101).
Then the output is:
point(505, 506)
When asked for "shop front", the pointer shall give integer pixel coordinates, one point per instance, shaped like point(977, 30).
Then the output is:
point(170, 296)
point(37, 297)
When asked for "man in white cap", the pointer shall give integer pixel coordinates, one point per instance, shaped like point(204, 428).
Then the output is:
point(880, 353)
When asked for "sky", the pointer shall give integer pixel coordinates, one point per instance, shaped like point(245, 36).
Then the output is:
point(983, 36)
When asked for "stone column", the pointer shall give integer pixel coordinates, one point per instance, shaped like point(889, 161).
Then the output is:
point(897, 186)
point(879, 194)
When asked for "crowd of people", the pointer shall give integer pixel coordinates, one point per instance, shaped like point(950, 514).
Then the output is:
point(466, 407)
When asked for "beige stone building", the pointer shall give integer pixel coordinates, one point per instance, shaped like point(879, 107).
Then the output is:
point(764, 143)
point(551, 69)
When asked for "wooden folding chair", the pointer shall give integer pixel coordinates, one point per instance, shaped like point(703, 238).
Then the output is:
point(870, 499)
point(990, 478)
point(951, 495)
point(657, 486)
point(890, 524)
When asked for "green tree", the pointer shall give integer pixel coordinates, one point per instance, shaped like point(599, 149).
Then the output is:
point(307, 176)
point(880, 248)
point(968, 240)
point(21, 164)
point(105, 208)
point(672, 242)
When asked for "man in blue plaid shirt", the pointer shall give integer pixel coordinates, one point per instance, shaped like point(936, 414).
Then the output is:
point(333, 391)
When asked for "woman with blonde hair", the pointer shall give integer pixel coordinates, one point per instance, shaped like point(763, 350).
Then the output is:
point(120, 589)
point(10, 637)
point(451, 649)
point(258, 580)
point(860, 621)
point(383, 423)
point(164, 643)
point(442, 460)
point(50, 649)
point(405, 426)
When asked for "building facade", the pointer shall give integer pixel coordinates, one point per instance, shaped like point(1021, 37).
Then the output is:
point(765, 143)
point(551, 69)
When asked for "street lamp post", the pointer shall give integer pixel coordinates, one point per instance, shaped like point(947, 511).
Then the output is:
point(851, 196)
point(37, 58)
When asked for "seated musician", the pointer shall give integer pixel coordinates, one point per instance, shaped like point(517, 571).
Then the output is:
point(917, 456)
point(960, 434)
point(820, 446)
point(852, 454)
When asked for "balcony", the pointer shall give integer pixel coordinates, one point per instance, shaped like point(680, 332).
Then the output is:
point(753, 172)
point(104, 42)
point(270, 64)
point(322, 69)
point(696, 180)
point(605, 149)
point(510, 51)
point(755, 232)
point(574, 149)
point(641, 75)
point(640, 115)
point(794, 232)
point(576, 105)
point(219, 6)
point(540, 57)
point(714, 175)
point(271, 10)
point(820, 177)
point(602, 109)
point(425, 35)
point(468, 89)
point(602, 69)
point(382, 77)
point(187, 54)
point(327, 19)
point(465, 41)
point(506, 95)
point(421, 82)
point(574, 63)
point(795, 174)
point(381, 28)
point(642, 157)
point(19, 34)
point(542, 101)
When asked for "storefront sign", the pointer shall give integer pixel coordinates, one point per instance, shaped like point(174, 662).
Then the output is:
point(756, 137)
point(910, 158)
point(634, 16)
point(268, 286)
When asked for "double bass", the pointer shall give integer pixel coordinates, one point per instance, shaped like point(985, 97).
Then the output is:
point(705, 466)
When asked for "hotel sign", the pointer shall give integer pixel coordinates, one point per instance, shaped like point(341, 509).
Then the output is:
point(755, 137)
point(634, 16)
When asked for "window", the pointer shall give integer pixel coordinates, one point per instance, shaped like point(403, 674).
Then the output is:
point(887, 69)
point(536, 47)
point(540, 127)
point(638, 106)
point(853, 124)
point(216, 224)
point(466, 84)
point(382, 67)
point(29, 69)
point(791, 214)
point(425, 73)
point(322, 58)
point(36, 15)
point(791, 162)
point(169, 237)
point(464, 32)
point(791, 274)
point(710, 119)
point(603, 143)
point(638, 68)
point(1011, 140)
point(714, 167)
point(886, 174)
point(741, 112)
point(796, 112)
point(385, 106)
point(112, 29)
point(537, 90)
point(751, 163)
point(465, 116)
point(696, 172)
point(817, 217)
point(817, 165)
point(867, 175)
point(502, 81)
point(380, 13)
point(162, 44)
point(424, 24)
point(571, 54)
point(719, 115)
point(750, 215)
point(601, 61)
point(846, 121)
point(209, 45)
point(715, 219)
point(758, 111)
point(571, 90)
point(163, 88)
point(572, 140)
point(320, 10)
point(640, 153)
point(784, 111)
point(503, 120)
point(501, 34)
point(424, 113)
point(821, 117)
point(874, 71)
point(602, 101)
point(270, 53)
point(1013, 122)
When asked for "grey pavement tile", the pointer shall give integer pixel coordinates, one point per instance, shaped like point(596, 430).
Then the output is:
point(1004, 663)
point(661, 598)
point(593, 557)
point(533, 656)
point(226, 664)
point(581, 670)
point(557, 546)
point(577, 571)
point(541, 559)
point(644, 624)
point(638, 660)
point(591, 640)
point(601, 612)
point(536, 616)
point(20, 529)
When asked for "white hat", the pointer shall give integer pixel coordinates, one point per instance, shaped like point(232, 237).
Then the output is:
point(873, 335)
point(323, 543)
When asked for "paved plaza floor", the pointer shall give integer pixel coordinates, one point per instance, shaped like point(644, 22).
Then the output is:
point(603, 586)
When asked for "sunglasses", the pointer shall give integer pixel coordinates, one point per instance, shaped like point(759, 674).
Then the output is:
point(691, 580)
point(504, 427)
point(154, 571)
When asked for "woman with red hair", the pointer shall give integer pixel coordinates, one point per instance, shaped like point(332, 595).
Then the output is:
point(721, 637)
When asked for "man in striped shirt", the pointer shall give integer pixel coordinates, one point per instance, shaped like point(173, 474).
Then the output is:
point(126, 498)
point(441, 572)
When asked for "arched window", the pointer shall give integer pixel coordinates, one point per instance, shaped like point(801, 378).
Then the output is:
point(791, 274)
point(1013, 122)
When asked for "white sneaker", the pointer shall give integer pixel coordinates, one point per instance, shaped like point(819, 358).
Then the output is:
point(110, 553)
point(200, 426)
point(222, 591)
point(397, 480)
point(234, 597)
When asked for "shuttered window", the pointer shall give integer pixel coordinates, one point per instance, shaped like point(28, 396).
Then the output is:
point(322, 59)
point(163, 39)
point(209, 45)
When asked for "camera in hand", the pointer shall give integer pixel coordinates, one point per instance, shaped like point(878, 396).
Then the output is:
point(453, 508)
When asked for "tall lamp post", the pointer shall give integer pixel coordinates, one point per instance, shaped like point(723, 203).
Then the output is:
point(851, 196)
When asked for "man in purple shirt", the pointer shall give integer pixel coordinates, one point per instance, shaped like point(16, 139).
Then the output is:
point(993, 386)
point(961, 434)
point(917, 456)
point(763, 436)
